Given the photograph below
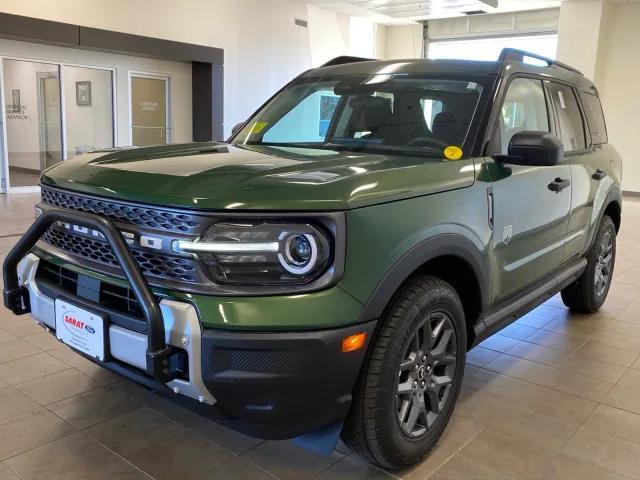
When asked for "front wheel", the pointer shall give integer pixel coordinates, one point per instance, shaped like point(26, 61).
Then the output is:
point(588, 293)
point(411, 380)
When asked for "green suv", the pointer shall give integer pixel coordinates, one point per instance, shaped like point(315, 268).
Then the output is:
point(325, 271)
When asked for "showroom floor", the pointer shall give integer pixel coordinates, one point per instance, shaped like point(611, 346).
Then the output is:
point(552, 396)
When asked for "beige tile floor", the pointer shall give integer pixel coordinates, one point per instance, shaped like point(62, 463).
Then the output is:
point(554, 395)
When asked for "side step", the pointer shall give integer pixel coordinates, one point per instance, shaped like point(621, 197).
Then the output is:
point(495, 320)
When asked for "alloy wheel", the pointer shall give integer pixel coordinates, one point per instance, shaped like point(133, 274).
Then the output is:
point(604, 264)
point(426, 374)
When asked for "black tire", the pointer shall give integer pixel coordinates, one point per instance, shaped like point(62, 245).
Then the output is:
point(585, 295)
point(373, 426)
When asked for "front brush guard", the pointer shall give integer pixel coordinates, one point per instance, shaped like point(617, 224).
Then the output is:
point(16, 296)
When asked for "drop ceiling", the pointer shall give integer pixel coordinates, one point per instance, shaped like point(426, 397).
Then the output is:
point(401, 11)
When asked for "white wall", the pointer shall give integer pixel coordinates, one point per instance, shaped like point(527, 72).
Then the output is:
point(263, 47)
point(580, 34)
point(332, 34)
point(618, 71)
point(180, 74)
point(403, 41)
point(88, 126)
point(603, 41)
point(381, 41)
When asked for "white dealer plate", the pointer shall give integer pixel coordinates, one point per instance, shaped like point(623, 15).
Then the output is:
point(80, 329)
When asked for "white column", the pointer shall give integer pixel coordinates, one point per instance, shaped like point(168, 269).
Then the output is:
point(579, 34)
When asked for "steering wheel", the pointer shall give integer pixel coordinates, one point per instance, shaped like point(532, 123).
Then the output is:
point(431, 142)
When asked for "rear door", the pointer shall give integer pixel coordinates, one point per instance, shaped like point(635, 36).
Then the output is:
point(584, 155)
point(530, 220)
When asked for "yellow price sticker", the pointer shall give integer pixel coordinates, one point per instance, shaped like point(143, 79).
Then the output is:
point(258, 127)
point(453, 153)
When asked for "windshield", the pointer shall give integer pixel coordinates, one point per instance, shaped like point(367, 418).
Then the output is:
point(395, 113)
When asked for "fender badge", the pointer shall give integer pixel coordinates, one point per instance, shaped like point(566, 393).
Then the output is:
point(507, 233)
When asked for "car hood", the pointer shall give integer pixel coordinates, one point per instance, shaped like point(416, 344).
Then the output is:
point(221, 176)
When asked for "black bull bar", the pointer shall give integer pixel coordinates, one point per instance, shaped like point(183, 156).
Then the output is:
point(16, 296)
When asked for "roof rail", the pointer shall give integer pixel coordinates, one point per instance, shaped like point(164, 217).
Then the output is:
point(345, 59)
point(515, 55)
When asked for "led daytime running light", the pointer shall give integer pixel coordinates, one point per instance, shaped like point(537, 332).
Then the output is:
point(225, 247)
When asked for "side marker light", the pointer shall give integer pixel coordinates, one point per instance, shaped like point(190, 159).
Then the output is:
point(353, 342)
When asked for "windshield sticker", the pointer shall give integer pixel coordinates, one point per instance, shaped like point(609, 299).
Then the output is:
point(453, 153)
point(258, 127)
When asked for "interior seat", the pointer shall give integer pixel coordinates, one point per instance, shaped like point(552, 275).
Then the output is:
point(407, 122)
point(369, 115)
point(448, 129)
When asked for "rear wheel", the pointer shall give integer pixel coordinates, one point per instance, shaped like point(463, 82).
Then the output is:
point(588, 293)
point(410, 383)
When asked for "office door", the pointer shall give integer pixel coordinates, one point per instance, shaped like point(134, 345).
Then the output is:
point(150, 110)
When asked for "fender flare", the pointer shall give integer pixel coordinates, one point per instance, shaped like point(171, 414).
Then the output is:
point(428, 249)
point(613, 195)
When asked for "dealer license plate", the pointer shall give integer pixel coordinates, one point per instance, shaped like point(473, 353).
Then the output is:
point(80, 329)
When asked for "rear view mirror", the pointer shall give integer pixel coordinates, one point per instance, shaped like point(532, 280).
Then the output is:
point(539, 149)
point(349, 88)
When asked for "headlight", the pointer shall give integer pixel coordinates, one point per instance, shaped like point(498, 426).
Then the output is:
point(262, 252)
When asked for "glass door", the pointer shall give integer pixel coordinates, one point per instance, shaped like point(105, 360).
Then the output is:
point(33, 116)
point(149, 110)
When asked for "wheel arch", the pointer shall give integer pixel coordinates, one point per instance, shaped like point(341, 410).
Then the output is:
point(450, 257)
point(614, 210)
point(611, 206)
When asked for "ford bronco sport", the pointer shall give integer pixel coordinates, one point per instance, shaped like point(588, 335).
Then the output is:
point(326, 270)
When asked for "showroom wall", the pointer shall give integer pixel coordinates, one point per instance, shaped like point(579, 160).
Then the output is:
point(603, 40)
point(21, 126)
point(617, 73)
point(404, 41)
point(580, 28)
point(263, 47)
point(180, 74)
point(332, 34)
point(88, 123)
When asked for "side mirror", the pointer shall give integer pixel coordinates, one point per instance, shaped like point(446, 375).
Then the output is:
point(537, 149)
point(236, 128)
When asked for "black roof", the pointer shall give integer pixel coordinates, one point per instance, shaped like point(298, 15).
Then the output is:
point(511, 60)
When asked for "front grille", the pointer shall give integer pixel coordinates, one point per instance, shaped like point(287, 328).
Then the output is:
point(114, 297)
point(143, 216)
point(153, 264)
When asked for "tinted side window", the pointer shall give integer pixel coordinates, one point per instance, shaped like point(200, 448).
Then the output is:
point(595, 118)
point(569, 117)
point(524, 108)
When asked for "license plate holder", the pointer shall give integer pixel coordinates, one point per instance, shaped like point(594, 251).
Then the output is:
point(80, 329)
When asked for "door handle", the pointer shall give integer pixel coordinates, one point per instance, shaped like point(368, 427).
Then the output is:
point(558, 185)
point(599, 174)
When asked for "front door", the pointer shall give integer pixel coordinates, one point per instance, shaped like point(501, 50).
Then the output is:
point(529, 214)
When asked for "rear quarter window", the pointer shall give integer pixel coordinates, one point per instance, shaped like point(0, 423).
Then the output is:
point(595, 117)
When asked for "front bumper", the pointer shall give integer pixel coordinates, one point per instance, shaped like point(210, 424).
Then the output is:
point(272, 385)
point(281, 385)
point(127, 347)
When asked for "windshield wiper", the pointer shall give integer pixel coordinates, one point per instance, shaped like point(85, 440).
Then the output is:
point(356, 148)
point(376, 148)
